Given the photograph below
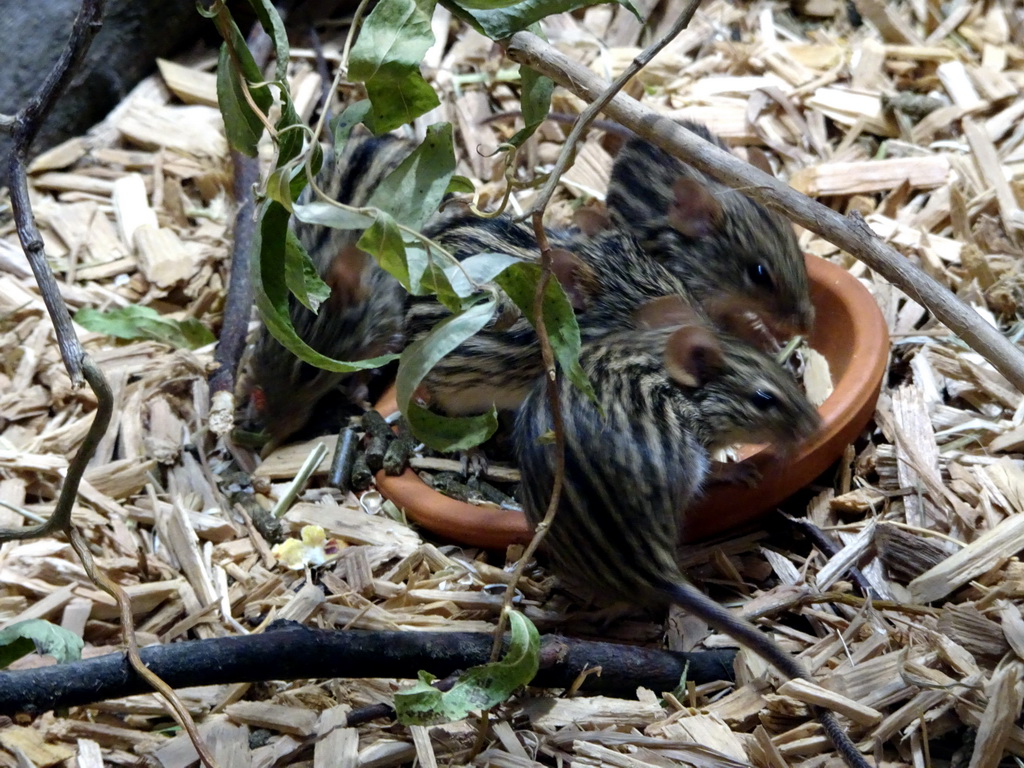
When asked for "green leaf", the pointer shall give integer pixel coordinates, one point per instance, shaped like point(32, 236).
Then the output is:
point(241, 125)
point(435, 280)
point(474, 271)
point(421, 267)
point(387, 56)
point(301, 275)
point(501, 22)
point(273, 25)
point(281, 180)
point(450, 433)
point(520, 284)
point(271, 293)
point(413, 191)
point(478, 688)
point(331, 215)
point(486, 5)
point(291, 132)
point(443, 433)
point(383, 241)
point(342, 125)
point(235, 63)
point(460, 184)
point(135, 322)
point(37, 635)
point(536, 103)
point(399, 101)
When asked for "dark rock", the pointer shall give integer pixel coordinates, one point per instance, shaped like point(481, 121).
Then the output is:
point(134, 34)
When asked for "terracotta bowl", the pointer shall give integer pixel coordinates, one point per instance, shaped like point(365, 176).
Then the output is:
point(850, 332)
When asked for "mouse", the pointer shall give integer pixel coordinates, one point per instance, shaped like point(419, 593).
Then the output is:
point(638, 458)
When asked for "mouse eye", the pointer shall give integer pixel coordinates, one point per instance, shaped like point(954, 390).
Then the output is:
point(763, 400)
point(760, 275)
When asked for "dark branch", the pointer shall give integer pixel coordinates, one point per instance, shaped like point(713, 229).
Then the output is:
point(238, 304)
point(60, 519)
point(295, 652)
point(23, 129)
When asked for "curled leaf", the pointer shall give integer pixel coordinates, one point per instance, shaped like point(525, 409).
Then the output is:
point(443, 433)
point(478, 688)
point(135, 322)
point(41, 636)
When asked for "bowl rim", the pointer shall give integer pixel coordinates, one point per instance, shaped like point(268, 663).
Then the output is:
point(724, 507)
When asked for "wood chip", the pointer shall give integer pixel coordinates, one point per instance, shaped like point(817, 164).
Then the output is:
point(1005, 696)
point(986, 552)
point(807, 692)
point(872, 176)
point(276, 717)
point(190, 85)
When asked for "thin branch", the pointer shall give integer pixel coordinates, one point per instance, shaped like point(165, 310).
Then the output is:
point(551, 375)
point(25, 126)
point(60, 519)
point(239, 301)
point(849, 233)
point(547, 354)
point(830, 548)
point(587, 116)
point(238, 304)
point(149, 679)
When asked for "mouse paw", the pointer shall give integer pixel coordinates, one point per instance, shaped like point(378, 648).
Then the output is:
point(735, 473)
point(474, 462)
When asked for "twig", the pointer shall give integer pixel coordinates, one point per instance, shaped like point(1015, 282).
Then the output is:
point(24, 127)
point(849, 233)
point(60, 518)
point(238, 303)
point(551, 374)
point(289, 651)
point(547, 354)
point(587, 116)
point(844, 598)
point(124, 606)
point(830, 548)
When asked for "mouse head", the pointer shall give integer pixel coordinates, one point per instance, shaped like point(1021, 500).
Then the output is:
point(692, 353)
point(754, 273)
point(719, 242)
point(753, 399)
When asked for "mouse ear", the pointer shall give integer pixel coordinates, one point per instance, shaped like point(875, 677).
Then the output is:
point(757, 158)
point(572, 274)
point(591, 221)
point(693, 355)
point(666, 312)
point(694, 211)
point(345, 276)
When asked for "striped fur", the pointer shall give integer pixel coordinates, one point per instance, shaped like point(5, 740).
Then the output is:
point(630, 475)
point(500, 364)
point(720, 266)
point(365, 321)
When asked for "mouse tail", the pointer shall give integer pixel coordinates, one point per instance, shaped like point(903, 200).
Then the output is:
point(696, 602)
